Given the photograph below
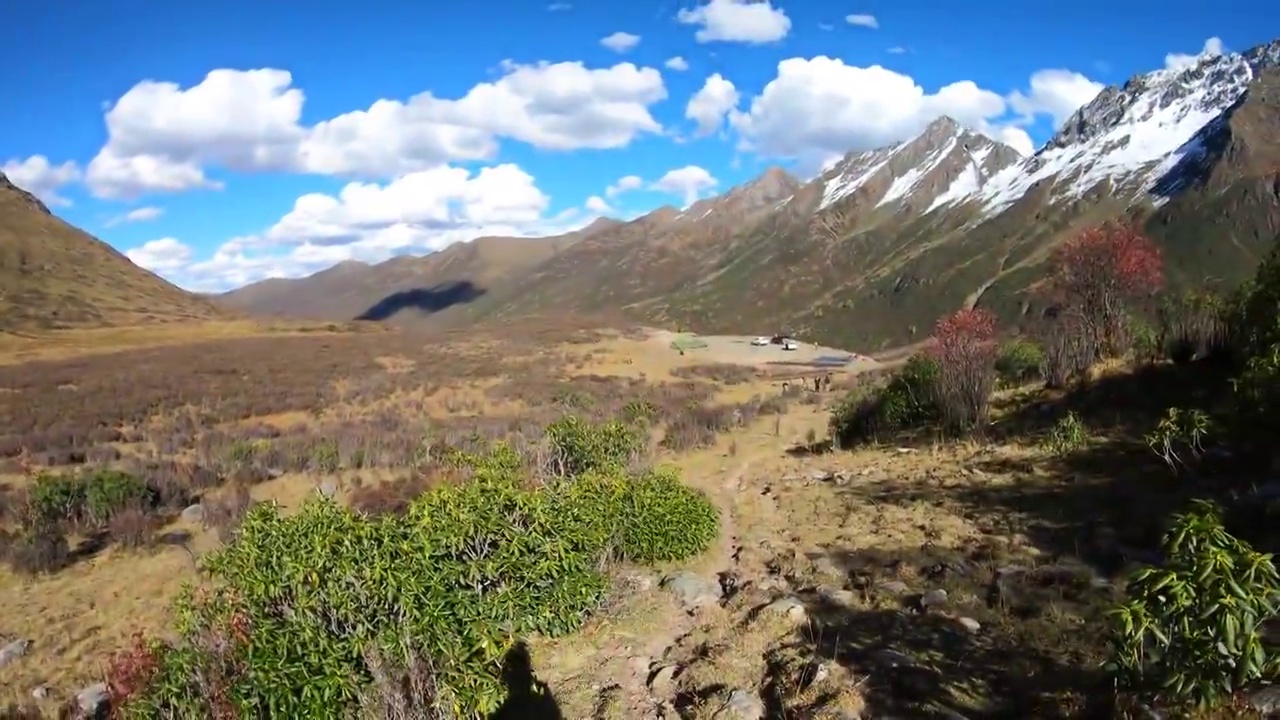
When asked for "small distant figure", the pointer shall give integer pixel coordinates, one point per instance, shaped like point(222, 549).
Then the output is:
point(817, 384)
point(826, 382)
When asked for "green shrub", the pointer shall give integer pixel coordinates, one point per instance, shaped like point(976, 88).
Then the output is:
point(56, 498)
point(905, 402)
point(1193, 627)
point(1179, 430)
point(110, 491)
point(1144, 341)
point(1019, 361)
point(579, 447)
point(668, 520)
point(1068, 435)
point(301, 601)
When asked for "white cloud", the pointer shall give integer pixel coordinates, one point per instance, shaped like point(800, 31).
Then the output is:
point(42, 178)
point(597, 204)
point(819, 107)
point(709, 106)
point(745, 21)
point(559, 7)
point(161, 137)
point(677, 63)
point(417, 213)
point(620, 41)
point(165, 255)
point(142, 214)
point(624, 184)
point(1056, 93)
point(826, 27)
point(866, 21)
point(896, 50)
point(1177, 61)
point(1016, 138)
point(688, 182)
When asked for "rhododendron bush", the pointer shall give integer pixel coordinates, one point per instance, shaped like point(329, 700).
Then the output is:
point(964, 344)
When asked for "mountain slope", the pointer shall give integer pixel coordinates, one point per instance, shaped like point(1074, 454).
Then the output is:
point(882, 243)
point(53, 275)
point(403, 288)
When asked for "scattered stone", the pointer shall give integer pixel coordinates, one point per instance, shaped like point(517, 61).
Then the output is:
point(93, 698)
point(905, 450)
point(826, 567)
point(1266, 700)
point(820, 672)
point(933, 598)
point(741, 705)
point(661, 682)
point(328, 487)
point(692, 590)
point(970, 624)
point(193, 513)
point(636, 581)
point(896, 587)
point(822, 475)
point(13, 651)
point(39, 693)
point(843, 597)
point(789, 606)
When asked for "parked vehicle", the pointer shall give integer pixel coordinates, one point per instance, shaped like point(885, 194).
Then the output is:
point(790, 344)
point(760, 341)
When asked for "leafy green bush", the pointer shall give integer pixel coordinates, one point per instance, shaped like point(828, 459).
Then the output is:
point(907, 401)
point(110, 491)
point(1144, 341)
point(1179, 429)
point(667, 520)
point(300, 602)
point(1193, 627)
point(1019, 361)
point(88, 498)
point(579, 447)
point(56, 498)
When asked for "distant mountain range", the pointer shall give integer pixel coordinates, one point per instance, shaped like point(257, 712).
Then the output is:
point(873, 251)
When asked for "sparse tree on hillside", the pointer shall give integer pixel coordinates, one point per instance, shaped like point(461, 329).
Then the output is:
point(964, 344)
point(1100, 270)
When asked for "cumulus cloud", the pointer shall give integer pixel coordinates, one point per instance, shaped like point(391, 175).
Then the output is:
point(677, 63)
point(142, 214)
point(42, 178)
point(688, 182)
point(745, 21)
point(161, 137)
point(1056, 93)
point(1178, 61)
point(819, 107)
point(620, 41)
point(866, 21)
point(624, 184)
point(1014, 137)
point(709, 106)
point(597, 204)
point(420, 212)
point(896, 50)
point(165, 255)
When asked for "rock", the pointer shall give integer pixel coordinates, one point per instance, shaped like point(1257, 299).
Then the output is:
point(13, 651)
point(1266, 700)
point(692, 590)
point(40, 692)
point(827, 568)
point(661, 682)
point(93, 698)
point(896, 587)
point(741, 705)
point(822, 475)
point(193, 513)
point(820, 672)
point(970, 624)
point(328, 487)
point(933, 598)
point(843, 597)
point(789, 606)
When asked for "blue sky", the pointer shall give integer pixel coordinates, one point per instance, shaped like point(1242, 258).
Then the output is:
point(221, 143)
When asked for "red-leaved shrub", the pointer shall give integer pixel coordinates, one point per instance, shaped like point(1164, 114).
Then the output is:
point(964, 344)
point(131, 670)
point(1100, 270)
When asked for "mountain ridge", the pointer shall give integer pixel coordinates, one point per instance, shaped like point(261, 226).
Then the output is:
point(889, 238)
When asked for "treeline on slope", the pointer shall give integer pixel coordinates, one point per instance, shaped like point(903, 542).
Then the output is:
point(334, 613)
point(1191, 629)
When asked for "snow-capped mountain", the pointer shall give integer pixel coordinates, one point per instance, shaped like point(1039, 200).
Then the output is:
point(921, 173)
point(1130, 138)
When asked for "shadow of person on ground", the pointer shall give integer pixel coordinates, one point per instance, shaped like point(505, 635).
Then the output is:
point(528, 698)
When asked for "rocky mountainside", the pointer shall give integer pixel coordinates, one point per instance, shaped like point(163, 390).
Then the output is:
point(53, 275)
point(872, 251)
